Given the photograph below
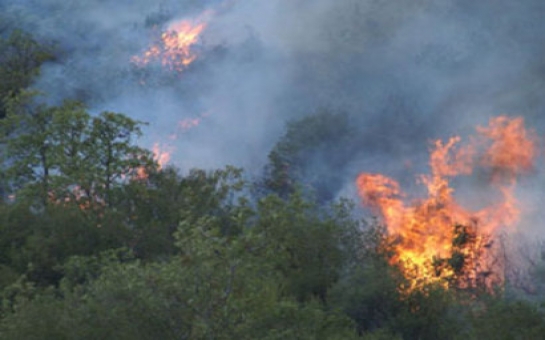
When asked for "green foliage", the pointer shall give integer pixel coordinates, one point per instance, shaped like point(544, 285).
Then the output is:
point(429, 314)
point(36, 319)
point(115, 157)
point(28, 158)
point(151, 208)
point(155, 206)
point(38, 244)
point(508, 321)
point(79, 270)
point(368, 292)
point(65, 171)
point(64, 154)
point(20, 60)
point(304, 243)
point(310, 155)
point(99, 243)
point(220, 286)
point(213, 194)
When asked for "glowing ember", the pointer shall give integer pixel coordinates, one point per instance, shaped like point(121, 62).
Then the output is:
point(175, 50)
point(86, 200)
point(435, 239)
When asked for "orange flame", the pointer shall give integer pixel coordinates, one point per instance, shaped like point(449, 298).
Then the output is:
point(175, 51)
point(512, 150)
point(436, 231)
point(161, 157)
point(85, 200)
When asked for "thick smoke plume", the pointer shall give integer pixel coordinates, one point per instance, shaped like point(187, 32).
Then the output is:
point(406, 72)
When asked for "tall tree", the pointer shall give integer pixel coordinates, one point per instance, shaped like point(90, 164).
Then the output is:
point(113, 152)
point(311, 154)
point(27, 153)
point(64, 153)
point(20, 59)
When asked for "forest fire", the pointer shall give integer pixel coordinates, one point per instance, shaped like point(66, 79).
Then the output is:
point(161, 157)
point(175, 48)
point(436, 240)
point(85, 199)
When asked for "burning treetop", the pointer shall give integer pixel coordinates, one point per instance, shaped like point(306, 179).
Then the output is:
point(174, 50)
point(428, 231)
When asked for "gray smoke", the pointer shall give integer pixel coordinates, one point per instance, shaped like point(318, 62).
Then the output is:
point(405, 71)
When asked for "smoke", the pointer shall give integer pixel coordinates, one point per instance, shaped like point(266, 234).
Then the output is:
point(405, 71)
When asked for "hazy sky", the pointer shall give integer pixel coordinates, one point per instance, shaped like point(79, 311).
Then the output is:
point(405, 71)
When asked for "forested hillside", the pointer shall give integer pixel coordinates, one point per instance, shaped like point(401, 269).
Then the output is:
point(103, 238)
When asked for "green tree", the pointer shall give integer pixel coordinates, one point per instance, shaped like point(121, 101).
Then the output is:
point(220, 286)
point(63, 153)
point(506, 320)
point(310, 154)
point(368, 291)
point(64, 170)
point(155, 206)
point(305, 242)
point(27, 153)
point(114, 154)
point(20, 60)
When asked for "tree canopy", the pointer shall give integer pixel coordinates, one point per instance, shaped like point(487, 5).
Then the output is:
point(97, 241)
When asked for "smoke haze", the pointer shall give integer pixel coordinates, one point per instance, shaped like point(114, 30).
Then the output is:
point(405, 71)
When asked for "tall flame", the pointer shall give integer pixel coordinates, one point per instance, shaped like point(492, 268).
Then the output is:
point(175, 48)
point(435, 239)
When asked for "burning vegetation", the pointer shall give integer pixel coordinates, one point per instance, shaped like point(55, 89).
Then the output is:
point(174, 49)
point(435, 239)
point(94, 225)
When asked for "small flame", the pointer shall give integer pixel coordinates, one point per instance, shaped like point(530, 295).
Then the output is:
point(429, 232)
point(75, 194)
point(160, 156)
point(175, 49)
